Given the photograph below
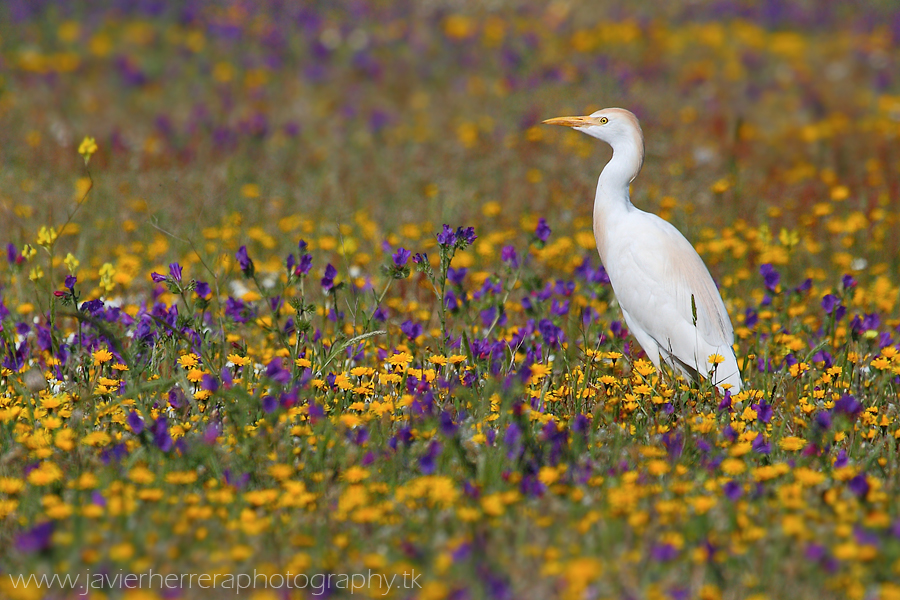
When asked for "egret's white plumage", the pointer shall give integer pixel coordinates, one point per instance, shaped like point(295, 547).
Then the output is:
point(658, 277)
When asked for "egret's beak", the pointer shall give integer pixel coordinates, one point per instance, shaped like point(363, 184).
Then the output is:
point(569, 121)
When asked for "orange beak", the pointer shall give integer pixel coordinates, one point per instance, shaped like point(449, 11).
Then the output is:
point(569, 121)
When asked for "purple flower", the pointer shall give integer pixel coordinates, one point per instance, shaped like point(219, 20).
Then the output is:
point(770, 276)
point(315, 412)
point(450, 300)
point(13, 255)
point(176, 397)
point(157, 278)
point(447, 237)
point(841, 460)
point(209, 383)
point(511, 439)
point(269, 403)
point(760, 445)
point(725, 404)
point(815, 552)
point(175, 271)
point(581, 425)
point(448, 427)
point(848, 282)
point(70, 282)
point(244, 261)
point(135, 421)
point(234, 480)
point(543, 230)
point(559, 308)
point(427, 462)
point(456, 276)
point(733, 490)
point(829, 302)
point(859, 486)
point(212, 433)
point(202, 289)
point(664, 552)
point(161, 436)
point(508, 255)
point(466, 236)
point(848, 405)
point(304, 266)
point(401, 256)
point(870, 322)
point(36, 539)
point(276, 372)
point(674, 444)
point(328, 279)
point(763, 410)
point(411, 330)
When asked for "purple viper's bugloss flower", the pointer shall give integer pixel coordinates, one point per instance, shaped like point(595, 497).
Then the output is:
point(543, 230)
point(135, 421)
point(771, 277)
point(401, 256)
point(244, 261)
point(175, 271)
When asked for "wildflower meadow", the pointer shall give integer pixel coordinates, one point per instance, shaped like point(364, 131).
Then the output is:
point(301, 300)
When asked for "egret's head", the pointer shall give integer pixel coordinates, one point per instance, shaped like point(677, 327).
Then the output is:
point(612, 125)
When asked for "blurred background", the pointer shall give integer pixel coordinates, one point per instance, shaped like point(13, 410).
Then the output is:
point(350, 123)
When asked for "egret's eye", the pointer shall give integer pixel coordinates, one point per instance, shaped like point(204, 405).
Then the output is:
point(604, 120)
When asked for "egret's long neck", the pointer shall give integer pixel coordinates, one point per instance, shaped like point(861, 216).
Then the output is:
point(612, 188)
point(620, 171)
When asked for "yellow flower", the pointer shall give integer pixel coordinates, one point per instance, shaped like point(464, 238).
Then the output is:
point(121, 552)
point(715, 359)
point(96, 438)
point(548, 475)
point(87, 148)
point(492, 505)
point(188, 360)
point(141, 474)
point(733, 466)
point(401, 358)
point(181, 477)
point(101, 356)
point(643, 367)
point(281, 471)
point(792, 443)
point(45, 474)
point(808, 476)
point(355, 474)
point(71, 263)
point(349, 420)
point(36, 273)
point(237, 359)
point(539, 371)
point(46, 236)
point(10, 485)
point(107, 271)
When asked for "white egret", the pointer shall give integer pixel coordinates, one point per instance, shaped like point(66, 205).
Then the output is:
point(668, 298)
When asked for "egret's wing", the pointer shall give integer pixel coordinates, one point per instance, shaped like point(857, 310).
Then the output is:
point(655, 274)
